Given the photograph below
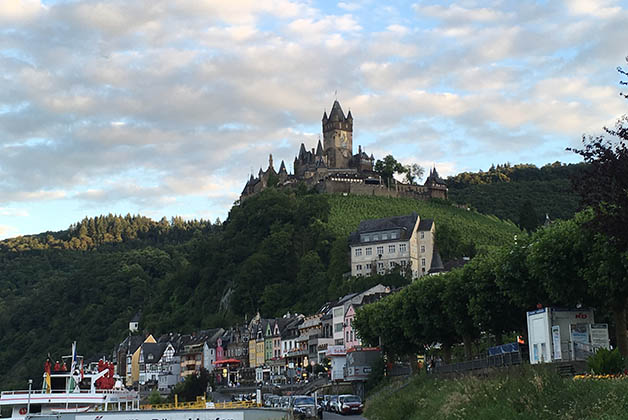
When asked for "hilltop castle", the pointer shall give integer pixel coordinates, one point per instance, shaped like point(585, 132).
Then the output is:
point(332, 167)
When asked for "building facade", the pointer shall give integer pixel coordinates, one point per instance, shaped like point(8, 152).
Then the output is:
point(403, 242)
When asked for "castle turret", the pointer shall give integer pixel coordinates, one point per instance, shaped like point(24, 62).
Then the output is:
point(337, 137)
point(319, 148)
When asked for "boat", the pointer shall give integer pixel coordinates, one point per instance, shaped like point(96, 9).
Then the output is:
point(74, 390)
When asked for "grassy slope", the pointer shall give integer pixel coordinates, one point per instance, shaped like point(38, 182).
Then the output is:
point(522, 393)
point(553, 197)
point(347, 211)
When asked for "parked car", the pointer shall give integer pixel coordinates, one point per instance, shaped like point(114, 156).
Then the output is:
point(349, 404)
point(304, 406)
point(325, 403)
point(332, 404)
point(284, 402)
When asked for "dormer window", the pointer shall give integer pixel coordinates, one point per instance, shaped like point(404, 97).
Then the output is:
point(150, 357)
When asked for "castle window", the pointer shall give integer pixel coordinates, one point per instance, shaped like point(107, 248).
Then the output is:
point(369, 251)
point(358, 252)
point(380, 265)
point(422, 262)
point(391, 249)
point(380, 250)
point(403, 248)
point(384, 236)
point(358, 267)
point(422, 235)
point(393, 235)
point(422, 248)
point(369, 266)
point(404, 263)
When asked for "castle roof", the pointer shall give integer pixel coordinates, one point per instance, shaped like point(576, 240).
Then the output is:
point(336, 113)
point(434, 177)
point(282, 167)
point(319, 148)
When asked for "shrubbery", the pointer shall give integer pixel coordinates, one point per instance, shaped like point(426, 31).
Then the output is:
point(606, 362)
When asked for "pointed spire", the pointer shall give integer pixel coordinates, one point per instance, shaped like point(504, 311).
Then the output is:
point(302, 151)
point(270, 161)
point(349, 116)
point(336, 113)
point(282, 167)
point(325, 116)
point(319, 148)
point(259, 174)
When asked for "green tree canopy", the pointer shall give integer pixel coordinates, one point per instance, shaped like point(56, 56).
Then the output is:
point(388, 167)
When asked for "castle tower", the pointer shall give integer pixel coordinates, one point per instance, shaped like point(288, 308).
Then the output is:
point(338, 137)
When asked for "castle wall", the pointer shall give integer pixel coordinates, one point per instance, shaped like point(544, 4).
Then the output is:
point(419, 192)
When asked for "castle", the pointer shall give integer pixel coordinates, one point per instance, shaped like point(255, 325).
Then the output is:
point(333, 168)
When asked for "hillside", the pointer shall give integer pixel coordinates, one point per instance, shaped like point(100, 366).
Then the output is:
point(277, 251)
point(506, 191)
point(458, 230)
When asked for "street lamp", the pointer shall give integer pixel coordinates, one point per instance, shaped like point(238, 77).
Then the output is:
point(28, 405)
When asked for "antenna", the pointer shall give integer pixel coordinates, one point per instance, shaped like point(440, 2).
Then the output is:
point(336, 94)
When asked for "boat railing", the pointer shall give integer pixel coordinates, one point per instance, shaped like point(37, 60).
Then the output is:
point(60, 391)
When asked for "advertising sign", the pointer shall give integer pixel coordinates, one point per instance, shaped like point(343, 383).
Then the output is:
point(556, 342)
point(580, 333)
point(599, 336)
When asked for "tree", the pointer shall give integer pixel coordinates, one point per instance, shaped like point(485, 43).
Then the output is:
point(414, 173)
point(603, 187)
point(528, 219)
point(388, 167)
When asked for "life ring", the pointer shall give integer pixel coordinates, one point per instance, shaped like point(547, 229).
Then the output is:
point(23, 410)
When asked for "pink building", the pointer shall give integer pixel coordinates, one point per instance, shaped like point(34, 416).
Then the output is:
point(350, 335)
point(220, 351)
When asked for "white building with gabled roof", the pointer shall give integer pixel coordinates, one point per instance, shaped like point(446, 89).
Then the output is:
point(381, 245)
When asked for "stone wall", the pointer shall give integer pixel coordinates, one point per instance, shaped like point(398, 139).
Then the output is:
point(418, 192)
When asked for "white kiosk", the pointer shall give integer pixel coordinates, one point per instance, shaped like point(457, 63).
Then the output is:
point(563, 334)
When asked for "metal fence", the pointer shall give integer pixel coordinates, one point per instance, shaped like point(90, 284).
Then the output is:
point(495, 361)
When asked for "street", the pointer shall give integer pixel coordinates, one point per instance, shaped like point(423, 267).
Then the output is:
point(332, 416)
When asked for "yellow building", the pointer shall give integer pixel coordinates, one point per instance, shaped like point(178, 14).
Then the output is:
point(252, 354)
point(133, 363)
point(259, 352)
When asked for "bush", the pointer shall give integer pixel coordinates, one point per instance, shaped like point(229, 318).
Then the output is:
point(155, 398)
point(606, 362)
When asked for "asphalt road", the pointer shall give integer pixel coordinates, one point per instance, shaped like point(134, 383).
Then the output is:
point(333, 416)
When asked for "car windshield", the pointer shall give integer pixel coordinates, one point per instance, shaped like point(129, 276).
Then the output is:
point(334, 398)
point(351, 399)
point(304, 401)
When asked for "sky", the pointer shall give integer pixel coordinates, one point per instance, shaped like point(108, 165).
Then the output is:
point(165, 107)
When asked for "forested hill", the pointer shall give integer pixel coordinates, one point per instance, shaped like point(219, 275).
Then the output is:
point(511, 192)
point(277, 251)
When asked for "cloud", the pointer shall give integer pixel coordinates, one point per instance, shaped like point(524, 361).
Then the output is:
point(16, 11)
point(13, 212)
point(597, 8)
point(156, 103)
point(350, 7)
point(7, 231)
